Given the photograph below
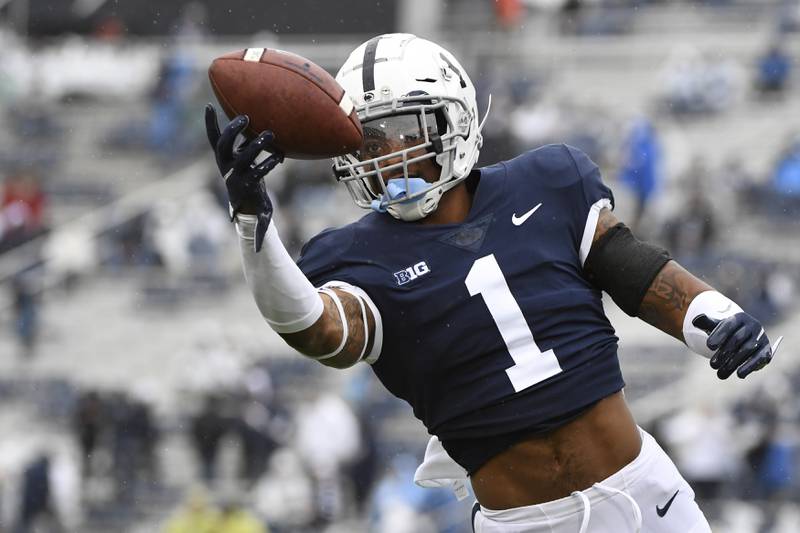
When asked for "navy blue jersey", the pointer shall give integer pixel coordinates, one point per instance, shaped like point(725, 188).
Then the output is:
point(489, 326)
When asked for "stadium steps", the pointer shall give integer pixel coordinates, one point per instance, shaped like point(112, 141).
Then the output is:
point(91, 173)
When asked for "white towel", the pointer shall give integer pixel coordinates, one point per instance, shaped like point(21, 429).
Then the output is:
point(438, 469)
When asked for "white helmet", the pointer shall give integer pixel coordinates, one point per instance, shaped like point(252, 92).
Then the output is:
point(399, 82)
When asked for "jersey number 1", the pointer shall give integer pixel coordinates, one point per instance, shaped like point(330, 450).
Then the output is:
point(531, 365)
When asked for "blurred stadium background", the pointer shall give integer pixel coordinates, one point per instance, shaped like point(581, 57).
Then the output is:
point(141, 391)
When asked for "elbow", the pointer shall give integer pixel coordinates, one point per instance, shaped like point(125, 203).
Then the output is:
point(337, 363)
point(322, 338)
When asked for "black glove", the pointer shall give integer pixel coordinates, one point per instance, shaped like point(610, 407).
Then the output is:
point(740, 344)
point(243, 177)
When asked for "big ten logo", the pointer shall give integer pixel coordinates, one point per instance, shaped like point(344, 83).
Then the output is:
point(411, 273)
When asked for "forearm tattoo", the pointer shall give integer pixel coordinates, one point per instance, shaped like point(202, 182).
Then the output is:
point(666, 301)
point(326, 334)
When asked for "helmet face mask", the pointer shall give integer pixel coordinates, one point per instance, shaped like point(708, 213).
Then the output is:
point(395, 143)
point(384, 138)
point(423, 112)
point(382, 135)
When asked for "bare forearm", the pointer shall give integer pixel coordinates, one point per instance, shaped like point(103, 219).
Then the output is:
point(666, 301)
point(325, 335)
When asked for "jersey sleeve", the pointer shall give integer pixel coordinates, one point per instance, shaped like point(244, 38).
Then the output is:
point(596, 196)
point(322, 259)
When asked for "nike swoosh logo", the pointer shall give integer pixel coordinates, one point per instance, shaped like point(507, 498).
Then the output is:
point(661, 511)
point(518, 221)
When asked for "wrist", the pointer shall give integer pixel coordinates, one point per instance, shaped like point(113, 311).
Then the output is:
point(245, 225)
point(251, 207)
point(714, 305)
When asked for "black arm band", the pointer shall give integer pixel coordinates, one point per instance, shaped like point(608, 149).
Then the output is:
point(624, 267)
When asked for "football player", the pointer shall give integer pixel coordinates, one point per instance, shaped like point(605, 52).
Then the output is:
point(475, 295)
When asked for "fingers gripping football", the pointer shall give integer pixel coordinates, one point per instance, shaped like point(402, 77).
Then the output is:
point(241, 170)
point(739, 342)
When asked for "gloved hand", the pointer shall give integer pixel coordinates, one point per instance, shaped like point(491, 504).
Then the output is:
point(247, 193)
point(740, 344)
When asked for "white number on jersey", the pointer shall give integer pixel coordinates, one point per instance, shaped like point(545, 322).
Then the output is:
point(531, 365)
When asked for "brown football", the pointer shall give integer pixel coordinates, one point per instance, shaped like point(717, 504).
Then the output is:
point(303, 105)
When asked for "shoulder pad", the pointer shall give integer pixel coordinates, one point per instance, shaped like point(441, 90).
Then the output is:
point(552, 165)
point(324, 251)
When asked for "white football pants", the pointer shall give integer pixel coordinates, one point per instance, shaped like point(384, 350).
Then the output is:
point(648, 495)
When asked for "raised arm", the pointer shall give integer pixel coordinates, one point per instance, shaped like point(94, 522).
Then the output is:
point(336, 325)
point(645, 282)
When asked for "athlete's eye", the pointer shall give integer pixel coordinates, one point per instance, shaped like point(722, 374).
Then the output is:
point(371, 148)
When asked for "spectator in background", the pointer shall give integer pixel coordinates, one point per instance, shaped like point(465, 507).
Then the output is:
point(171, 97)
point(35, 499)
point(192, 23)
point(189, 238)
point(700, 438)
point(285, 495)
point(253, 427)
point(774, 69)
point(398, 505)
point(26, 313)
point(331, 420)
point(22, 209)
point(176, 84)
point(133, 439)
point(695, 83)
point(641, 166)
point(734, 174)
point(786, 177)
point(123, 449)
point(774, 462)
point(691, 232)
point(509, 13)
point(109, 29)
point(143, 427)
point(779, 196)
point(235, 518)
point(196, 515)
point(88, 424)
point(363, 471)
point(207, 430)
point(569, 16)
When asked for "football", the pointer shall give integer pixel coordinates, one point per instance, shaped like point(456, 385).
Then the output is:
point(303, 105)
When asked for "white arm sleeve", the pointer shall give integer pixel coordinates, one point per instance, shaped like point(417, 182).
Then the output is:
point(287, 300)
